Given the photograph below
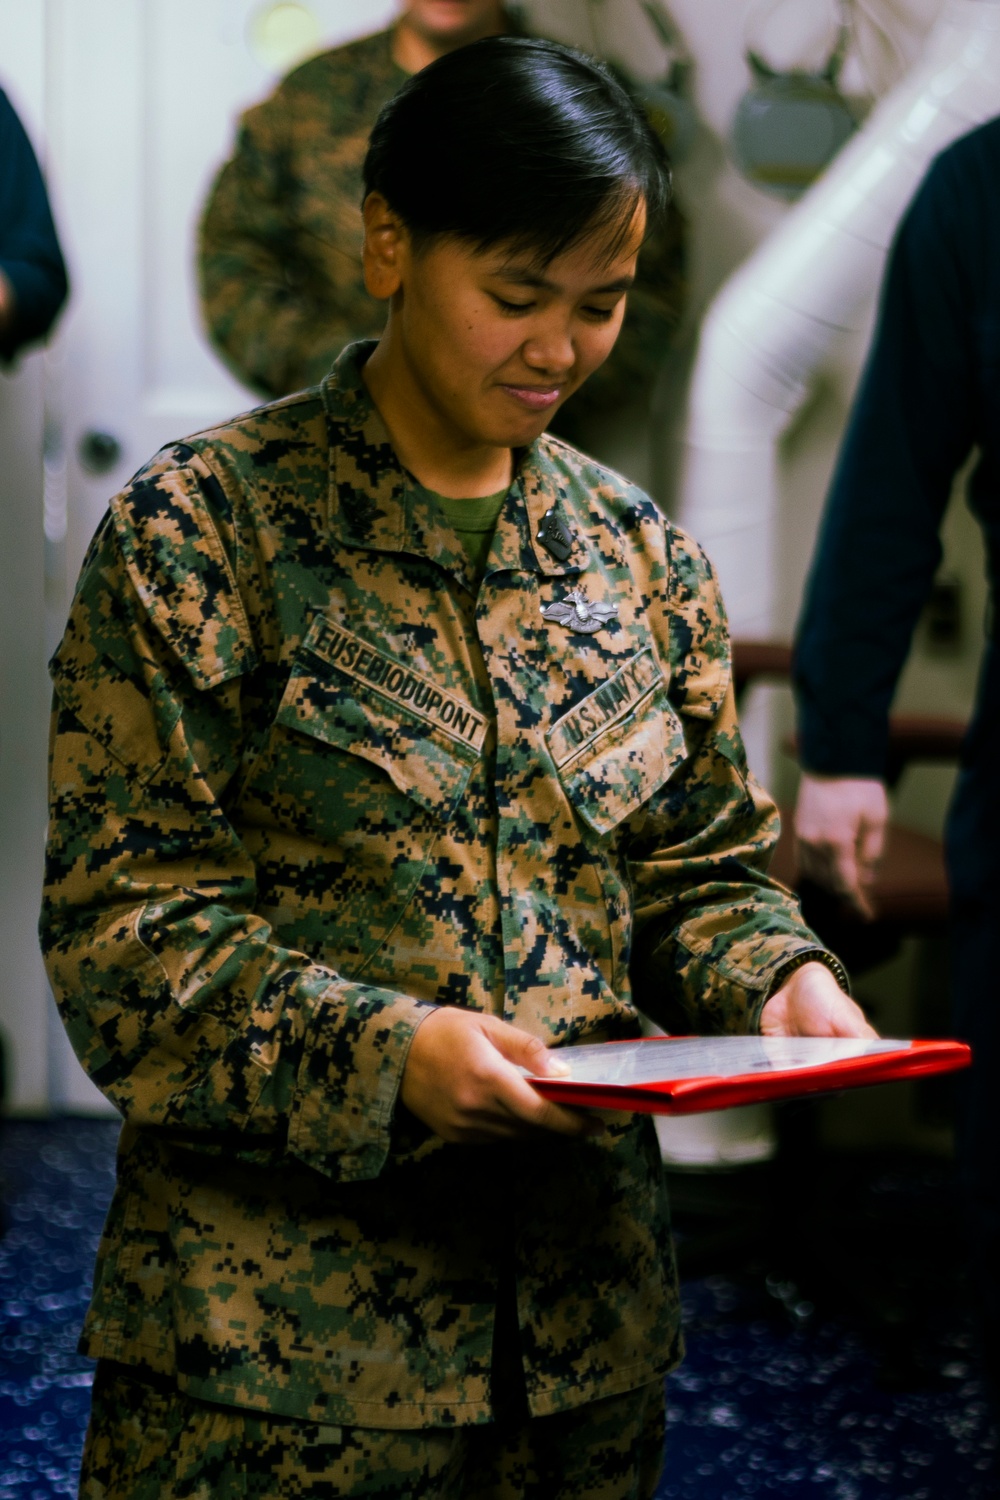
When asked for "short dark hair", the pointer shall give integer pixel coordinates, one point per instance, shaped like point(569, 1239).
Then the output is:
point(516, 141)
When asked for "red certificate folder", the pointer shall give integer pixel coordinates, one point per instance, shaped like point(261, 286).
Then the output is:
point(682, 1075)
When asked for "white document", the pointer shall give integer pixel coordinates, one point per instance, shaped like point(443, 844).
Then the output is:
point(663, 1059)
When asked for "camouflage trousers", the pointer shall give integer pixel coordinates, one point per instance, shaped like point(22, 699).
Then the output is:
point(149, 1444)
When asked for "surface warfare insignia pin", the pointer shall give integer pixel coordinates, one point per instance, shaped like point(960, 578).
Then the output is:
point(577, 613)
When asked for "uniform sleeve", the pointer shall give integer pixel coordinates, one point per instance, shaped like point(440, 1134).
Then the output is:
point(715, 936)
point(30, 257)
point(178, 999)
point(912, 426)
point(271, 308)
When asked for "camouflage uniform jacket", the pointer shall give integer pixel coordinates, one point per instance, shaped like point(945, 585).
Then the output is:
point(306, 783)
point(280, 250)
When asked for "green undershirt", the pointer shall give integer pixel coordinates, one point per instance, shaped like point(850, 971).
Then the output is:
point(473, 522)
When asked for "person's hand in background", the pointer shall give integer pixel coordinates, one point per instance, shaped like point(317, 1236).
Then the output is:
point(840, 824)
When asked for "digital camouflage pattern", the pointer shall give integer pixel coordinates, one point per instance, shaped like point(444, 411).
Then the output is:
point(306, 783)
point(144, 1444)
point(280, 242)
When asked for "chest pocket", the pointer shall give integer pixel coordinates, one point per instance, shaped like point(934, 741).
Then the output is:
point(366, 763)
point(351, 695)
point(618, 746)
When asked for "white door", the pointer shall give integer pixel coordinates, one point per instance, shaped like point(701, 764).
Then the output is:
point(141, 105)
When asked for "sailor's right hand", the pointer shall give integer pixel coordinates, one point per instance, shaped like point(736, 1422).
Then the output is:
point(840, 824)
point(463, 1080)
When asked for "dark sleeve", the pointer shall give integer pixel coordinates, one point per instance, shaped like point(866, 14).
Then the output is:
point(913, 424)
point(30, 257)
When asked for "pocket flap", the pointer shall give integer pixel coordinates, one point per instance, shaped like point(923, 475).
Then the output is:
point(356, 697)
point(619, 745)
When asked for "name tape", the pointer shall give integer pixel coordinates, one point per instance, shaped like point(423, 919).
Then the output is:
point(400, 684)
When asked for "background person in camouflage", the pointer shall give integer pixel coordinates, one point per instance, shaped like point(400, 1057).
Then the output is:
point(346, 828)
point(280, 242)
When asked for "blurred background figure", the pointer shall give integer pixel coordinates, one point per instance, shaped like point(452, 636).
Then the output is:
point(280, 243)
point(33, 281)
point(929, 397)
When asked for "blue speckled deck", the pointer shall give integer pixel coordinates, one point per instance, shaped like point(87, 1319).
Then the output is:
point(761, 1408)
point(56, 1179)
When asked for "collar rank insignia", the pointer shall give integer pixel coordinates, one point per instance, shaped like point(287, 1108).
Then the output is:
point(555, 536)
point(577, 613)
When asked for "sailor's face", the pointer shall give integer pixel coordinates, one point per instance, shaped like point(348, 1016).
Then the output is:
point(498, 341)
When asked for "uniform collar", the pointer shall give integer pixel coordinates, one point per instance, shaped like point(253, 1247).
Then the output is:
point(373, 503)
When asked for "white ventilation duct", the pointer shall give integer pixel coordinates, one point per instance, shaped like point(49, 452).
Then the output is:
point(768, 330)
